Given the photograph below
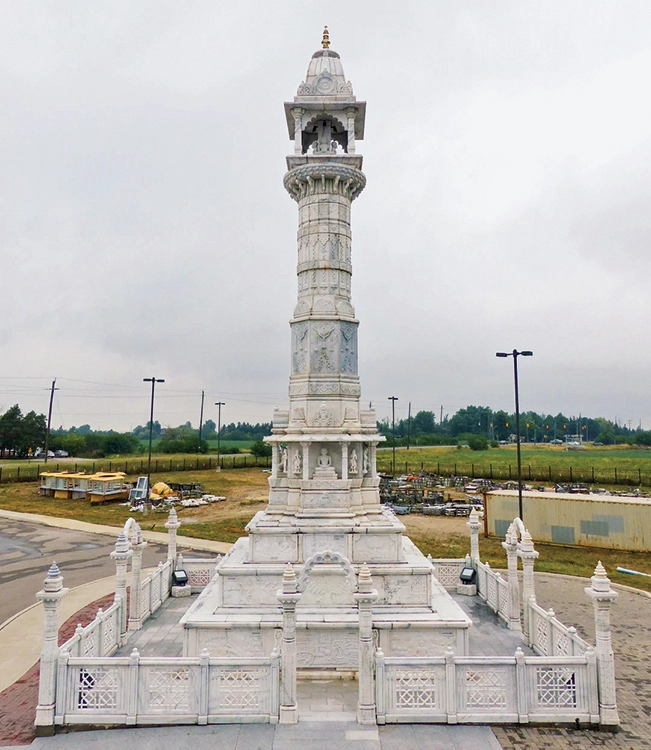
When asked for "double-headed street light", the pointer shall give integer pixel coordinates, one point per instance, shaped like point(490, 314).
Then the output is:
point(153, 382)
point(515, 354)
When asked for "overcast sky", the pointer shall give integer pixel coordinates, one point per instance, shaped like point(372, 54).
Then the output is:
point(146, 231)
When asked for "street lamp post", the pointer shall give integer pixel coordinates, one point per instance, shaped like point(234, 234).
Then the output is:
point(219, 405)
point(393, 400)
point(201, 421)
point(153, 382)
point(515, 354)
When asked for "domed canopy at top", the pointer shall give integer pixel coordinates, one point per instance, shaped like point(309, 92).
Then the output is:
point(325, 89)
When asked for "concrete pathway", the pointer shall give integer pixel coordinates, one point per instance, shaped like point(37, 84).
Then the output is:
point(303, 736)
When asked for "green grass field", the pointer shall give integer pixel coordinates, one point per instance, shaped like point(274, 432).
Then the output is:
point(246, 491)
point(606, 466)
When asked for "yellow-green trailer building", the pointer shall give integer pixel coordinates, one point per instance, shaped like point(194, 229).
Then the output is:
point(582, 520)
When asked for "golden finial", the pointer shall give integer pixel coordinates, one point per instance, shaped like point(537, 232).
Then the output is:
point(326, 38)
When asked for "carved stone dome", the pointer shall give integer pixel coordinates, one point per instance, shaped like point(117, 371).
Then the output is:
point(325, 76)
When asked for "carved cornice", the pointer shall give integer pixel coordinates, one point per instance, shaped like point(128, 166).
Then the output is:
point(312, 179)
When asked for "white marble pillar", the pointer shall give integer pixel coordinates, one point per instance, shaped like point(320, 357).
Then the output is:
point(120, 556)
point(172, 525)
point(528, 556)
point(137, 546)
point(344, 460)
point(298, 129)
point(51, 595)
point(350, 128)
point(510, 544)
point(474, 525)
point(306, 460)
point(274, 460)
point(602, 598)
point(288, 597)
point(372, 454)
point(365, 597)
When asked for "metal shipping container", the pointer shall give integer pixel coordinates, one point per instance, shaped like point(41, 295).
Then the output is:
point(583, 520)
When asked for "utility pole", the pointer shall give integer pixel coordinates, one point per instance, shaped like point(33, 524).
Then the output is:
point(153, 382)
point(49, 417)
point(393, 400)
point(409, 426)
point(219, 405)
point(441, 419)
point(200, 422)
point(515, 354)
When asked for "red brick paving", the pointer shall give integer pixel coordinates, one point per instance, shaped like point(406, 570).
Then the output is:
point(18, 702)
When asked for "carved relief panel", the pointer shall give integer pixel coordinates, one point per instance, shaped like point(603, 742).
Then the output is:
point(324, 340)
point(299, 348)
point(348, 347)
point(327, 648)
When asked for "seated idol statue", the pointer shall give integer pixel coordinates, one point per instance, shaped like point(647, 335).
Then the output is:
point(324, 465)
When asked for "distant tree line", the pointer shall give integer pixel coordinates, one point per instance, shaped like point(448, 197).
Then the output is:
point(495, 426)
point(478, 426)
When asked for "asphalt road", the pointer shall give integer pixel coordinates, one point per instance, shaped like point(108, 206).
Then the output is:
point(28, 549)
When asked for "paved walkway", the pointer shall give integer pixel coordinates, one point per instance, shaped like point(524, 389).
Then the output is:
point(303, 736)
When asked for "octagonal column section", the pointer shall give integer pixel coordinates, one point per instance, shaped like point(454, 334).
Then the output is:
point(135, 608)
point(120, 556)
point(474, 525)
point(288, 597)
point(510, 544)
point(172, 525)
point(365, 597)
point(528, 556)
point(602, 598)
point(51, 595)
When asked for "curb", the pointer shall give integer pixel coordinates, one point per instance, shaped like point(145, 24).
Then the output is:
point(205, 545)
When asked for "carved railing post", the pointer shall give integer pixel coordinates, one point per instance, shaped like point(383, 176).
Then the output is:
point(135, 613)
point(528, 556)
point(602, 597)
point(288, 597)
point(172, 525)
point(365, 597)
point(121, 555)
point(474, 525)
point(510, 544)
point(51, 595)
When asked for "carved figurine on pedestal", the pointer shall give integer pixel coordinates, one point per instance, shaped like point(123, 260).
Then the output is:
point(298, 464)
point(283, 460)
point(352, 462)
point(365, 462)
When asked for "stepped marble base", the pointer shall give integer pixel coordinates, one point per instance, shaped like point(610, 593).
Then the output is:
point(238, 615)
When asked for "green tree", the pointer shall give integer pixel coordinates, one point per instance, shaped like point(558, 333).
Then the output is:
point(478, 442)
point(260, 449)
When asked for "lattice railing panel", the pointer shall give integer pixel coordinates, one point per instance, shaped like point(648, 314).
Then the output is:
point(487, 688)
point(167, 690)
point(418, 689)
point(556, 687)
point(97, 689)
point(244, 690)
